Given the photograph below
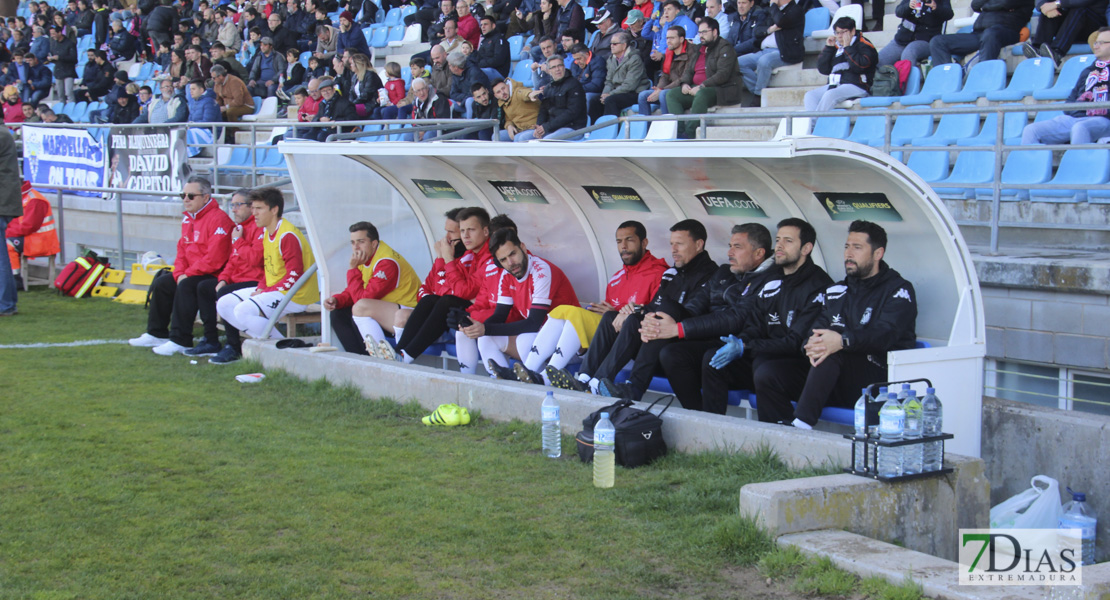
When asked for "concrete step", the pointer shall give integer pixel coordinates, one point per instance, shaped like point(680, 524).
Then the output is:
point(784, 97)
point(387, 54)
point(797, 77)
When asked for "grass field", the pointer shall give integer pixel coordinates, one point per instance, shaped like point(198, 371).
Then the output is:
point(128, 475)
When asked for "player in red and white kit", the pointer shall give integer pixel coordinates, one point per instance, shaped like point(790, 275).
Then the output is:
point(535, 286)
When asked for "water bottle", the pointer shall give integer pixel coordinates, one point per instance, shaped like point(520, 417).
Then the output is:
point(902, 395)
point(1077, 515)
point(552, 433)
point(932, 421)
point(873, 449)
point(604, 457)
point(859, 446)
point(892, 423)
point(912, 455)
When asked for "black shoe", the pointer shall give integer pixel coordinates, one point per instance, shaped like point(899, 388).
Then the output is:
point(624, 391)
point(1048, 52)
point(1029, 50)
point(205, 348)
point(227, 355)
point(525, 375)
point(561, 378)
point(500, 372)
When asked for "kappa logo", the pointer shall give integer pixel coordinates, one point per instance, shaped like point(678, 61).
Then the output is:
point(196, 236)
point(275, 303)
point(772, 288)
point(219, 231)
point(866, 316)
point(836, 291)
point(646, 434)
point(773, 318)
point(903, 293)
point(819, 299)
point(380, 275)
point(837, 321)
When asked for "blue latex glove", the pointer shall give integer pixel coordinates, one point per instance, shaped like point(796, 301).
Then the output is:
point(732, 350)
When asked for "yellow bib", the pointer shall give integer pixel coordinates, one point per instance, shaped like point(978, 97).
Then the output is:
point(275, 264)
point(407, 282)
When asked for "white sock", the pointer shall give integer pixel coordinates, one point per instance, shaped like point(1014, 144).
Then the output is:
point(466, 350)
point(800, 424)
point(489, 347)
point(367, 326)
point(397, 331)
point(545, 343)
point(567, 348)
point(408, 360)
point(583, 377)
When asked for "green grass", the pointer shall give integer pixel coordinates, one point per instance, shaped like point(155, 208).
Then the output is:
point(128, 475)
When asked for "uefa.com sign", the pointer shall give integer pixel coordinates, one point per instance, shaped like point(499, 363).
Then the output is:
point(1020, 557)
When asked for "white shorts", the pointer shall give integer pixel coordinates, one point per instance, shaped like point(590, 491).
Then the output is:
point(267, 302)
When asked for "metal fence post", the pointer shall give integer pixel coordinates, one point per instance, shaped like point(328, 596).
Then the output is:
point(61, 228)
point(119, 226)
point(996, 183)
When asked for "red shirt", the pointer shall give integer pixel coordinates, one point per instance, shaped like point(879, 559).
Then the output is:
point(635, 283)
point(435, 282)
point(245, 262)
point(495, 284)
point(382, 281)
point(465, 276)
point(205, 242)
point(544, 287)
point(308, 109)
point(699, 67)
point(469, 30)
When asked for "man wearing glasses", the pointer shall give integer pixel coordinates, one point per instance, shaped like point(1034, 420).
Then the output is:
point(625, 78)
point(711, 77)
point(562, 106)
point(1080, 126)
point(202, 252)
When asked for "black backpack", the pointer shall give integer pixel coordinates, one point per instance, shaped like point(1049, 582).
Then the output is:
point(639, 433)
point(886, 82)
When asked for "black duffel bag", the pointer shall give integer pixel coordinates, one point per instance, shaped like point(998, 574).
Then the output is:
point(639, 433)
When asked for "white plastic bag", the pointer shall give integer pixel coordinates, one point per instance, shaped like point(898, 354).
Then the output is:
point(1036, 508)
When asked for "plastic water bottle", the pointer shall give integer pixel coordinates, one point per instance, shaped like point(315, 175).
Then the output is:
point(912, 455)
point(552, 433)
point(605, 438)
point(902, 395)
point(873, 449)
point(859, 447)
point(892, 423)
point(932, 420)
point(1077, 515)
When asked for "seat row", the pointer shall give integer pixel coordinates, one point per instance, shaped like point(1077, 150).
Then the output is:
point(917, 129)
point(973, 173)
point(78, 111)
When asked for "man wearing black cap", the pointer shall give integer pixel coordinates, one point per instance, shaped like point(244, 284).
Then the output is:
point(266, 69)
point(606, 29)
point(333, 107)
point(119, 88)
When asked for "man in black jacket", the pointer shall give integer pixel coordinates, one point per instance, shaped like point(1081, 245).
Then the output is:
point(749, 19)
point(283, 37)
point(871, 312)
point(788, 21)
point(999, 24)
point(493, 50)
point(776, 324)
point(1062, 22)
point(617, 339)
point(464, 74)
point(159, 22)
point(63, 54)
point(850, 61)
point(921, 21)
point(681, 347)
point(562, 104)
point(717, 82)
point(333, 107)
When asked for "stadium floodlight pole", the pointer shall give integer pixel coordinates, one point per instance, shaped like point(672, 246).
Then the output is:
point(308, 273)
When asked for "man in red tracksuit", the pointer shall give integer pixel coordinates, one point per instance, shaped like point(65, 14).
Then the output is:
point(435, 283)
point(202, 252)
point(243, 270)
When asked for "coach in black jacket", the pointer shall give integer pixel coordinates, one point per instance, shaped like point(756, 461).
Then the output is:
point(562, 106)
point(871, 312)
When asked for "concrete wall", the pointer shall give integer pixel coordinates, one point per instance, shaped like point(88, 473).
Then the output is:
point(1021, 440)
point(1063, 328)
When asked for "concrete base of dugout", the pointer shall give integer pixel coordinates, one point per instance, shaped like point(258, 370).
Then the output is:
point(922, 516)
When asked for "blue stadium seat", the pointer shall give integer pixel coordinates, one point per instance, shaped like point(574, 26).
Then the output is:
point(986, 76)
point(393, 18)
point(1098, 196)
point(1012, 124)
point(913, 81)
point(1066, 80)
point(516, 46)
point(79, 110)
point(906, 128)
point(491, 73)
point(866, 129)
point(816, 20)
point(147, 71)
point(930, 165)
point(638, 130)
point(941, 80)
point(379, 38)
point(304, 59)
point(1030, 76)
point(396, 33)
point(406, 10)
point(1080, 168)
point(832, 127)
point(239, 158)
point(57, 107)
point(1021, 166)
point(522, 72)
point(67, 109)
point(950, 129)
point(605, 133)
point(589, 11)
point(972, 167)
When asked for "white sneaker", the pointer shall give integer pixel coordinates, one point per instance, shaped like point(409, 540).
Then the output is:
point(371, 346)
point(169, 348)
point(147, 341)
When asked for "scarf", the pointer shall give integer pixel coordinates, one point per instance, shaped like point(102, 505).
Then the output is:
point(669, 57)
point(1097, 78)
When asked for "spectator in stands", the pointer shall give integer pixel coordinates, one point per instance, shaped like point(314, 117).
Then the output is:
point(1080, 126)
point(429, 104)
point(232, 95)
point(159, 22)
point(227, 33)
point(541, 18)
point(871, 312)
point(48, 116)
point(294, 75)
point(749, 20)
point(850, 60)
point(693, 10)
point(539, 287)
point(634, 24)
point(482, 106)
point(97, 78)
point(101, 15)
point(547, 48)
point(29, 114)
point(286, 257)
point(127, 107)
point(625, 78)
point(168, 107)
point(921, 22)
point(13, 105)
point(999, 24)
point(122, 43)
point(119, 87)
point(244, 270)
point(32, 235)
point(333, 108)
point(493, 51)
point(468, 24)
point(39, 81)
point(11, 207)
point(63, 55)
point(569, 328)
point(714, 9)
point(589, 69)
point(432, 21)
point(145, 96)
point(380, 282)
point(464, 75)
point(299, 21)
point(571, 18)
point(674, 62)
point(69, 15)
point(656, 29)
point(326, 40)
point(350, 37)
point(19, 41)
point(395, 83)
point(202, 104)
point(562, 105)
point(309, 105)
point(202, 252)
point(606, 30)
point(781, 43)
point(1061, 24)
point(362, 87)
point(617, 339)
point(209, 29)
point(265, 70)
point(450, 40)
point(197, 65)
point(40, 43)
point(770, 347)
point(544, 24)
point(283, 38)
point(520, 110)
point(711, 77)
point(225, 57)
point(440, 74)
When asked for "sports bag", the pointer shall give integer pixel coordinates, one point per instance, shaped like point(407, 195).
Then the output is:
point(639, 433)
point(886, 82)
point(78, 278)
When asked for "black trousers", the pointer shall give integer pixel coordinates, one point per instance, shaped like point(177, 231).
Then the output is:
point(778, 382)
point(613, 105)
point(427, 322)
point(835, 382)
point(646, 364)
point(343, 324)
point(684, 361)
point(175, 305)
point(610, 350)
point(207, 296)
point(1063, 31)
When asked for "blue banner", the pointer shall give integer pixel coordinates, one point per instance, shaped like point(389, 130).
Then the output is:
point(57, 156)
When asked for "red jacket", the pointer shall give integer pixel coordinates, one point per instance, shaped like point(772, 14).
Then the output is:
point(469, 30)
point(245, 262)
point(636, 283)
point(205, 242)
point(436, 281)
point(465, 275)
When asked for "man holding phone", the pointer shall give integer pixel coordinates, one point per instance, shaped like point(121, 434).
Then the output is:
point(849, 60)
point(921, 21)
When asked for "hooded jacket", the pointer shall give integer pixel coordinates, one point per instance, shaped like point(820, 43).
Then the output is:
point(717, 309)
point(860, 57)
point(678, 284)
point(780, 317)
point(205, 241)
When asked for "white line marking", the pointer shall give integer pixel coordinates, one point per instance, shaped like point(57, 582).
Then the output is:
point(61, 344)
